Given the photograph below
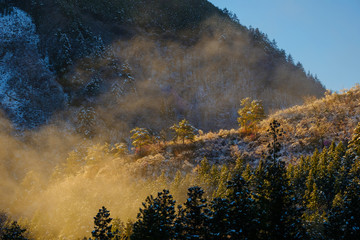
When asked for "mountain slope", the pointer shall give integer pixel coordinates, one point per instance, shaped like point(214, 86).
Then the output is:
point(313, 125)
point(83, 175)
point(29, 93)
point(151, 63)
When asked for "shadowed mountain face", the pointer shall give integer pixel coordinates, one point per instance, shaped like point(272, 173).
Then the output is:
point(120, 64)
point(29, 93)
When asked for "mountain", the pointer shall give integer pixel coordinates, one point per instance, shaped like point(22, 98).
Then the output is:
point(105, 66)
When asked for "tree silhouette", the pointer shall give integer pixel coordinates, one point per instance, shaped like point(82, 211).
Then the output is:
point(102, 229)
point(13, 232)
point(192, 221)
point(156, 218)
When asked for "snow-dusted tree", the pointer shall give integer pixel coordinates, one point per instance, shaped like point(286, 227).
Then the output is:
point(86, 121)
point(274, 206)
point(13, 232)
point(118, 149)
point(140, 137)
point(17, 27)
point(156, 218)
point(184, 130)
point(219, 224)
point(353, 152)
point(241, 209)
point(192, 220)
point(102, 228)
point(64, 53)
point(250, 113)
point(344, 217)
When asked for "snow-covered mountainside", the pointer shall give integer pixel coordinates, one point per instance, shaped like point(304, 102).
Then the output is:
point(29, 93)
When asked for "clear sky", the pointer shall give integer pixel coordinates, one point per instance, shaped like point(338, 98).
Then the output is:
point(324, 35)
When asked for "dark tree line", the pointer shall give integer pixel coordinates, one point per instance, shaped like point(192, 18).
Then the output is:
point(317, 198)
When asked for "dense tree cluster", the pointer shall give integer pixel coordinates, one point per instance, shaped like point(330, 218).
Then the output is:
point(184, 130)
point(318, 198)
point(142, 137)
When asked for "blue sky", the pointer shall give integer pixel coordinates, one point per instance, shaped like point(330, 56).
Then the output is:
point(324, 35)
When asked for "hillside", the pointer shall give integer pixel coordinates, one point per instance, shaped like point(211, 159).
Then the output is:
point(147, 63)
point(313, 125)
point(84, 175)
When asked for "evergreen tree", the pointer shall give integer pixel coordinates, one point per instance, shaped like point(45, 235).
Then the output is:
point(156, 219)
point(344, 219)
point(241, 216)
point(297, 175)
point(221, 185)
point(86, 121)
point(315, 213)
point(140, 137)
point(120, 230)
point(271, 191)
point(184, 130)
point(336, 220)
point(102, 228)
point(192, 220)
point(353, 150)
point(13, 232)
point(250, 113)
point(219, 224)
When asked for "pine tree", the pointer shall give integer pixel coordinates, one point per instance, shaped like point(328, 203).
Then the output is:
point(297, 175)
point(156, 218)
point(117, 229)
point(353, 150)
point(343, 217)
point(221, 185)
point(102, 228)
point(272, 191)
point(241, 215)
point(140, 137)
point(315, 213)
point(192, 220)
point(250, 113)
point(349, 212)
point(219, 224)
point(86, 121)
point(336, 220)
point(13, 232)
point(184, 130)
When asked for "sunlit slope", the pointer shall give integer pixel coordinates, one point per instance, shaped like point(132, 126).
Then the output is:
point(52, 182)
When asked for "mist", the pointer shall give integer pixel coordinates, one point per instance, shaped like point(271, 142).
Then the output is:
point(55, 177)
